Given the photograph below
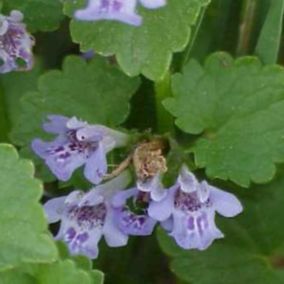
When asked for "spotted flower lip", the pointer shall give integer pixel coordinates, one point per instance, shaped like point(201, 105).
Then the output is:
point(188, 211)
point(77, 144)
point(87, 217)
point(129, 222)
point(119, 10)
point(15, 44)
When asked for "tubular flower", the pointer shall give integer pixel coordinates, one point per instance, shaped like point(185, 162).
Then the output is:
point(15, 44)
point(85, 218)
point(77, 144)
point(188, 211)
point(119, 10)
point(133, 221)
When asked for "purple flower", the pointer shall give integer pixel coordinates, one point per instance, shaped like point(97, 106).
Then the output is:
point(133, 220)
point(85, 218)
point(77, 143)
point(154, 186)
point(120, 10)
point(188, 211)
point(15, 44)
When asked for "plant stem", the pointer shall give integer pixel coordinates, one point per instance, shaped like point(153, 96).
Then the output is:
point(246, 26)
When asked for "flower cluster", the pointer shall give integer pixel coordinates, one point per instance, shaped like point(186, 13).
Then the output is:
point(186, 210)
point(119, 10)
point(15, 44)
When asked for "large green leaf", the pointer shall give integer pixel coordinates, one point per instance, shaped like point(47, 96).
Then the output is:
point(96, 92)
point(146, 49)
point(238, 108)
point(60, 272)
point(10, 94)
point(252, 249)
point(40, 15)
point(16, 277)
point(13, 92)
point(23, 232)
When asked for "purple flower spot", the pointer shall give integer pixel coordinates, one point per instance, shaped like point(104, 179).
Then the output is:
point(64, 155)
point(117, 5)
point(190, 223)
point(59, 149)
point(81, 238)
point(70, 234)
point(189, 202)
point(89, 216)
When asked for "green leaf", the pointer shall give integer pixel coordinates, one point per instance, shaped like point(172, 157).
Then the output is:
point(23, 235)
point(10, 94)
point(40, 15)
point(251, 248)
point(26, 81)
point(60, 272)
point(146, 49)
point(16, 277)
point(269, 41)
point(64, 272)
point(237, 107)
point(96, 92)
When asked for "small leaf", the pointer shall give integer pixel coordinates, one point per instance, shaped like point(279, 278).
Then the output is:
point(238, 108)
point(250, 250)
point(40, 15)
point(23, 235)
point(146, 49)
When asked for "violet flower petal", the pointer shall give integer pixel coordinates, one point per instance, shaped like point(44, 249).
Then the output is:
point(96, 165)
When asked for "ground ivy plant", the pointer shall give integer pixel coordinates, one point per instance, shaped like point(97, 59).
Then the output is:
point(141, 141)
